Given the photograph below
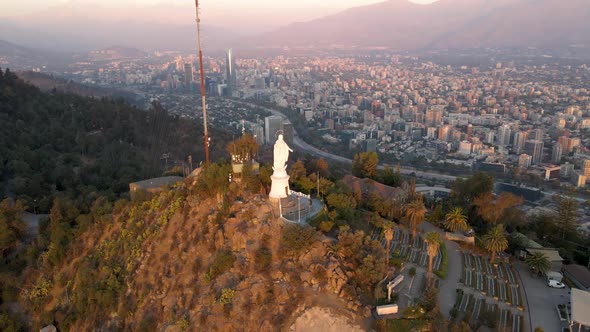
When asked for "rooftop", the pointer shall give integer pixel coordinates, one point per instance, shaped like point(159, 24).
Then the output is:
point(581, 273)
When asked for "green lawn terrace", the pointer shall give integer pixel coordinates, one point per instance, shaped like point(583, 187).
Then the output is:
point(497, 281)
point(479, 311)
point(408, 250)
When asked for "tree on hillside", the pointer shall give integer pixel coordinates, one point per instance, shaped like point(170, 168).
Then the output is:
point(297, 171)
point(455, 220)
point(12, 228)
point(324, 186)
point(415, 212)
point(566, 216)
point(464, 190)
point(364, 257)
point(243, 149)
point(491, 210)
point(62, 219)
point(265, 173)
point(365, 164)
point(388, 234)
point(375, 203)
point(538, 262)
point(432, 240)
point(390, 177)
point(495, 241)
point(214, 181)
point(436, 215)
point(322, 167)
point(306, 184)
point(341, 201)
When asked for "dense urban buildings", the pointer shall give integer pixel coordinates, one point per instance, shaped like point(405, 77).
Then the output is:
point(520, 115)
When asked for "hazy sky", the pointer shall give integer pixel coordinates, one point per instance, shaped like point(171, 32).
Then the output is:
point(239, 16)
point(23, 7)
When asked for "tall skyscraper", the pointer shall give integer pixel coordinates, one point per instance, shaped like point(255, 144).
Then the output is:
point(272, 124)
point(230, 71)
point(188, 73)
point(535, 149)
point(504, 132)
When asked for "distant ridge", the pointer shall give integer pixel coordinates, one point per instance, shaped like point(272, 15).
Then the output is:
point(116, 52)
point(12, 53)
point(403, 25)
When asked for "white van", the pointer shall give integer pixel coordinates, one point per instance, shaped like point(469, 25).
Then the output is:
point(555, 284)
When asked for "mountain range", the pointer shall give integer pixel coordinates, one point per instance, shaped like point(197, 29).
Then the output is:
point(393, 24)
point(403, 25)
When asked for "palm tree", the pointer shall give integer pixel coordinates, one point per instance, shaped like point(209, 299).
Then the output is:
point(538, 262)
point(433, 243)
point(388, 233)
point(415, 212)
point(455, 220)
point(495, 241)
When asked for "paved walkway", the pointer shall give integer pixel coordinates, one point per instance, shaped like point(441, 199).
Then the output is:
point(448, 286)
point(541, 300)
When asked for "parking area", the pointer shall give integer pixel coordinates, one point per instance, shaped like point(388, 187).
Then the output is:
point(542, 300)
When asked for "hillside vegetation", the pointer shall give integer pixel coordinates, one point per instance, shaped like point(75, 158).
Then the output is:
point(190, 259)
point(54, 144)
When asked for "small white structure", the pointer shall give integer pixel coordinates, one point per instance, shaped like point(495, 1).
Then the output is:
point(391, 285)
point(387, 309)
point(280, 179)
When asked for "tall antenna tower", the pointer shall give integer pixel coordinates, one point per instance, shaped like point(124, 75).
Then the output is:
point(206, 136)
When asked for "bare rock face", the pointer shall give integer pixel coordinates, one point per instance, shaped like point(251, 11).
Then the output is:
point(281, 293)
point(316, 253)
point(336, 278)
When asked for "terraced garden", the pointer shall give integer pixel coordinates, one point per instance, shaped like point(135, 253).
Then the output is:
point(478, 311)
point(498, 282)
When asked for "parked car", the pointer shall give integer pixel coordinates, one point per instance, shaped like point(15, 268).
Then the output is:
point(555, 284)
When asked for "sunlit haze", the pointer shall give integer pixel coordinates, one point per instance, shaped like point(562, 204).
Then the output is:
point(10, 8)
point(285, 11)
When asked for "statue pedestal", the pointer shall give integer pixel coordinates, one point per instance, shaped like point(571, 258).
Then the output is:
point(280, 184)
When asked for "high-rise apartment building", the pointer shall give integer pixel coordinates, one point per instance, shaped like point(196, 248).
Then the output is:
point(230, 71)
point(433, 117)
point(519, 138)
point(537, 134)
point(504, 132)
point(556, 153)
point(568, 143)
point(443, 133)
point(272, 124)
point(535, 149)
point(188, 73)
